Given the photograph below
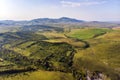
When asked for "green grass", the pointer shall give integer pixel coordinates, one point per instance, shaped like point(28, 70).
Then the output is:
point(72, 42)
point(87, 33)
point(113, 36)
point(102, 55)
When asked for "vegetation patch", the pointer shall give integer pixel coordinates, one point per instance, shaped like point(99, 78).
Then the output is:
point(87, 33)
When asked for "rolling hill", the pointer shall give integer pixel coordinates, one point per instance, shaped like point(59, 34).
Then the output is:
point(60, 22)
point(66, 48)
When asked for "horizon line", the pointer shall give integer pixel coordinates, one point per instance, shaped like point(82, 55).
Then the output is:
point(55, 18)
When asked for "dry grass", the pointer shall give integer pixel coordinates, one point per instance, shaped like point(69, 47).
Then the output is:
point(40, 75)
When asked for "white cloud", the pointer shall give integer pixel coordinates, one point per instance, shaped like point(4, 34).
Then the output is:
point(66, 3)
point(70, 4)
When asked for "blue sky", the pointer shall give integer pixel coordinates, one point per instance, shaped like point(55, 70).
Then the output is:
point(90, 10)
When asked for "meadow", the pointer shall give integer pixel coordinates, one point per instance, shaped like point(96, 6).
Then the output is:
point(54, 55)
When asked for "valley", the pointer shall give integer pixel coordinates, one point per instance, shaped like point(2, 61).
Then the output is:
point(70, 52)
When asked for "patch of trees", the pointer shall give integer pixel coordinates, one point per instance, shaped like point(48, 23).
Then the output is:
point(50, 53)
point(15, 71)
point(14, 57)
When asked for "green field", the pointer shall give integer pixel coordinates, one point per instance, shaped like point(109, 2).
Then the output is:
point(87, 33)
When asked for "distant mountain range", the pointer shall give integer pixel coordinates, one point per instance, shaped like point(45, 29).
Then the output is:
point(40, 21)
point(57, 22)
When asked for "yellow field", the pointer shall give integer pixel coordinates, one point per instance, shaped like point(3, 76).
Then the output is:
point(40, 75)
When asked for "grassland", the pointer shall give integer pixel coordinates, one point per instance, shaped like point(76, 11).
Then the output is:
point(62, 55)
point(39, 75)
point(103, 54)
point(87, 33)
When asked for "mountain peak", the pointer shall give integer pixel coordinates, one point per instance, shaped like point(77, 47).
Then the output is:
point(65, 18)
point(70, 19)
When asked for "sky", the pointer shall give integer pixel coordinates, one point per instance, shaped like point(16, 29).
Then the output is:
point(89, 10)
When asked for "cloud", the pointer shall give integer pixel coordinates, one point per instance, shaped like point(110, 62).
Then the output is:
point(66, 3)
point(70, 4)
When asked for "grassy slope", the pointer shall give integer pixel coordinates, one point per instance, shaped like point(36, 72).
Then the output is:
point(21, 48)
point(9, 29)
point(87, 33)
point(54, 37)
point(103, 55)
point(40, 75)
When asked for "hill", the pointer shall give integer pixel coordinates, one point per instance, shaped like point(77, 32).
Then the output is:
point(40, 21)
point(60, 22)
point(68, 53)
